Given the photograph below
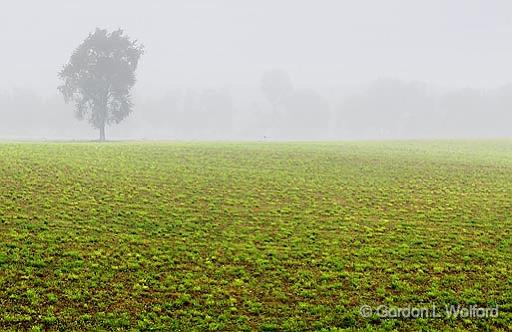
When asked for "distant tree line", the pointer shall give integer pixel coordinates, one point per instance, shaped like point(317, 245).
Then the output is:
point(394, 108)
point(385, 109)
point(97, 82)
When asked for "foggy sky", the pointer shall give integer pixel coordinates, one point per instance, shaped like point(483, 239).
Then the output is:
point(213, 43)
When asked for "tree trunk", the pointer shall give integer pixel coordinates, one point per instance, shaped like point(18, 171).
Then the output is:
point(102, 133)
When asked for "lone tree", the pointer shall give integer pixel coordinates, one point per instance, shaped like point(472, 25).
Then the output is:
point(99, 77)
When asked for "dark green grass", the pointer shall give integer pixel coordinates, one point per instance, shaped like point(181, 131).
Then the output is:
point(253, 236)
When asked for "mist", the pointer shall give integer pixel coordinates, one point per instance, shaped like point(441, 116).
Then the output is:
point(271, 70)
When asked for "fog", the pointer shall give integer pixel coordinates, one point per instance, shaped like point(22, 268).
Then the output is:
point(270, 70)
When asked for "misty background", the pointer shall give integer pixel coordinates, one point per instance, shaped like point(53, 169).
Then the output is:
point(271, 69)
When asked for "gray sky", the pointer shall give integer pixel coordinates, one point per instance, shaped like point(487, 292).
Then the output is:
point(191, 43)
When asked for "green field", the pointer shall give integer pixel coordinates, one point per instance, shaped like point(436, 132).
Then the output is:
point(253, 236)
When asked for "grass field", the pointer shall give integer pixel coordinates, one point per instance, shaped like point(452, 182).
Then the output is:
point(253, 236)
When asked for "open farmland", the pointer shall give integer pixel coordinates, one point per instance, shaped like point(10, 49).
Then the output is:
point(253, 236)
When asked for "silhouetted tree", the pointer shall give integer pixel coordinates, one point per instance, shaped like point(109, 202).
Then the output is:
point(307, 114)
point(501, 110)
point(217, 108)
point(276, 86)
point(387, 108)
point(465, 112)
point(208, 112)
point(99, 77)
